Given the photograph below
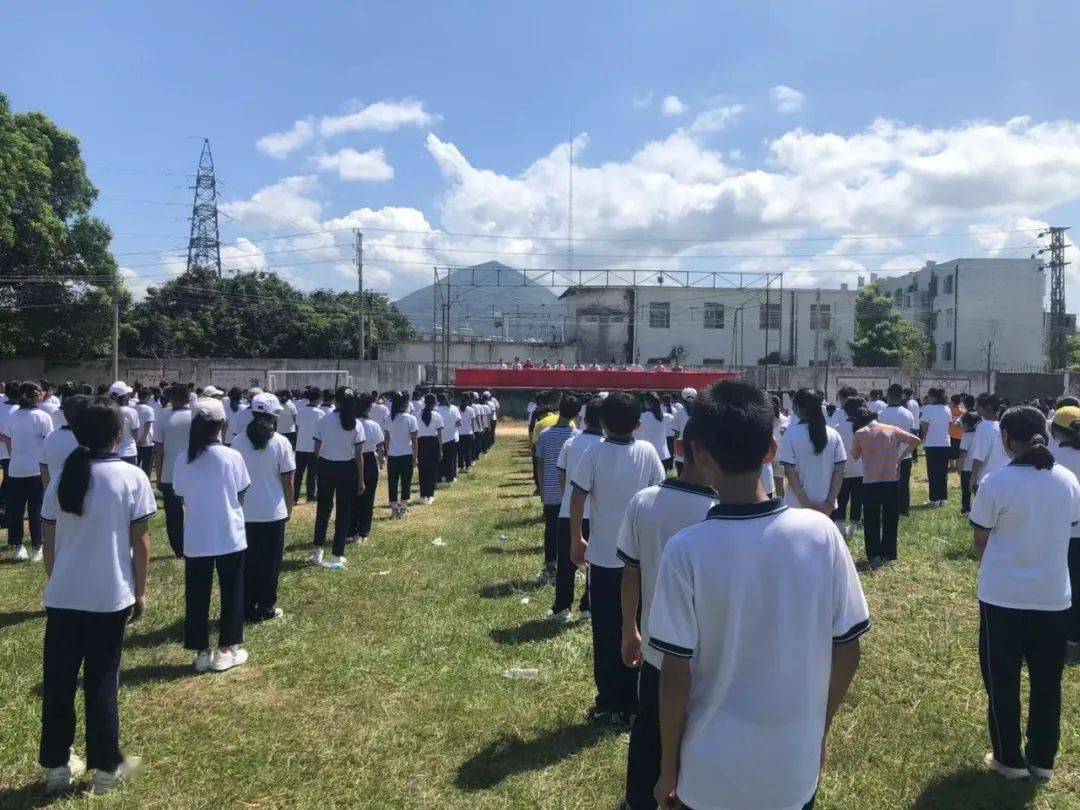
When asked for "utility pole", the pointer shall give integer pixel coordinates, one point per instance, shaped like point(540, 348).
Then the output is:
point(1056, 349)
point(116, 330)
point(434, 324)
point(989, 360)
point(817, 334)
point(359, 245)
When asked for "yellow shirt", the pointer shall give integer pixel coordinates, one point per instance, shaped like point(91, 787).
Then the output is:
point(543, 424)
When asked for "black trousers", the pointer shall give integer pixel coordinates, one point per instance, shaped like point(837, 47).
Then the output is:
point(465, 451)
point(1074, 578)
point(291, 438)
point(850, 493)
point(448, 465)
point(427, 458)
point(881, 518)
point(1007, 639)
point(363, 507)
point(400, 472)
point(198, 584)
point(306, 462)
point(24, 498)
point(337, 485)
point(146, 459)
point(937, 472)
point(77, 639)
point(904, 485)
point(616, 683)
point(551, 533)
point(965, 491)
point(643, 758)
point(262, 566)
point(566, 571)
point(174, 518)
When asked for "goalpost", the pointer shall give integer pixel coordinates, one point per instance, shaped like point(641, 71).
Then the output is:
point(302, 378)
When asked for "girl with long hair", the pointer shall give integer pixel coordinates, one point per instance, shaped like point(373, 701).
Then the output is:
point(813, 456)
point(429, 448)
point(23, 433)
point(668, 407)
point(339, 446)
point(654, 427)
point(401, 450)
point(374, 452)
point(849, 517)
point(233, 409)
point(451, 417)
point(465, 433)
point(937, 420)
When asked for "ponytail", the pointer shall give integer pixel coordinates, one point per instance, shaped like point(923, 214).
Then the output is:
point(97, 427)
point(652, 405)
point(429, 406)
point(260, 429)
point(398, 404)
point(29, 395)
point(204, 432)
point(345, 402)
point(234, 398)
point(808, 404)
point(1025, 425)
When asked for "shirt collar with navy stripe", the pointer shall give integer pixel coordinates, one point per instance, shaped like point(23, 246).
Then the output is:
point(685, 486)
point(616, 440)
point(743, 511)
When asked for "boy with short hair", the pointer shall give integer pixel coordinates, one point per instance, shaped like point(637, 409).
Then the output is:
point(548, 447)
point(757, 610)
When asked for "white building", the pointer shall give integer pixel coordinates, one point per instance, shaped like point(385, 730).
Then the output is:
point(974, 309)
point(710, 327)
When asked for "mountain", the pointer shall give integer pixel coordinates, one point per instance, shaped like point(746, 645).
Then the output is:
point(482, 297)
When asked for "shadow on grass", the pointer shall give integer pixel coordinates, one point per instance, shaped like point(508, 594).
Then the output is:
point(528, 632)
point(297, 563)
point(510, 588)
point(515, 495)
point(18, 617)
point(524, 520)
point(34, 795)
point(510, 754)
point(504, 550)
point(155, 673)
point(976, 788)
point(169, 634)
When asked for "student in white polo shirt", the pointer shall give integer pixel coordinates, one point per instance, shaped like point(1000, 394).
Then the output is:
point(1023, 518)
point(899, 415)
point(653, 517)
point(23, 432)
point(848, 514)
point(144, 441)
point(678, 424)
point(1065, 441)
point(429, 439)
point(609, 475)
point(654, 427)
point(374, 453)
point(759, 651)
point(987, 451)
point(308, 414)
point(286, 420)
point(936, 418)
point(97, 551)
point(465, 433)
point(234, 406)
point(451, 418)
point(127, 450)
point(401, 451)
point(170, 442)
point(211, 479)
point(268, 505)
point(59, 444)
point(339, 445)
point(813, 457)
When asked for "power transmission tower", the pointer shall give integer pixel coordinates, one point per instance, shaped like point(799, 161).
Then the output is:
point(204, 244)
point(1056, 350)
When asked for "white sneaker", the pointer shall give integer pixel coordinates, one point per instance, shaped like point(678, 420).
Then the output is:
point(317, 556)
point(1046, 774)
point(562, 616)
point(20, 554)
point(203, 660)
point(229, 658)
point(276, 614)
point(58, 779)
point(336, 563)
point(104, 781)
point(1005, 770)
point(363, 539)
point(36, 555)
point(585, 616)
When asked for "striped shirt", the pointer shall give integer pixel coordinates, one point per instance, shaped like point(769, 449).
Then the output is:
point(547, 453)
point(880, 447)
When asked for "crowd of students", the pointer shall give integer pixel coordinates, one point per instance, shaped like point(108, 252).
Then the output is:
point(229, 466)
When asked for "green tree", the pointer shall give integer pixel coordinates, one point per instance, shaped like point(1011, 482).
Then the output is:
point(57, 274)
point(883, 337)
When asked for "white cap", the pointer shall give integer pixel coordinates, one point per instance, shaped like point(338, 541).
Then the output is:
point(255, 390)
point(119, 389)
point(265, 403)
point(209, 408)
point(603, 395)
point(211, 391)
point(689, 393)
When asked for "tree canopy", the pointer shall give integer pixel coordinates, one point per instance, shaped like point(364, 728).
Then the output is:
point(883, 337)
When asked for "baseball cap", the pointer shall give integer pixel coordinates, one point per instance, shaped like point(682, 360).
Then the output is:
point(265, 403)
point(212, 391)
point(689, 393)
point(209, 408)
point(1065, 417)
point(119, 389)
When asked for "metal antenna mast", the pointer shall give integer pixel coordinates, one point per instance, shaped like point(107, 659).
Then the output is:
point(204, 244)
point(570, 208)
point(1056, 350)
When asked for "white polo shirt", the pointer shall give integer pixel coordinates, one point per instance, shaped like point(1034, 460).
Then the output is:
point(127, 448)
point(93, 568)
point(379, 413)
point(147, 416)
point(655, 432)
point(897, 416)
point(1068, 458)
point(56, 449)
point(846, 429)
point(27, 429)
point(173, 434)
point(7, 407)
point(1031, 514)
point(431, 428)
point(286, 420)
point(232, 418)
point(654, 516)
point(307, 417)
point(399, 433)
point(611, 472)
point(877, 406)
point(755, 596)
point(913, 406)
point(451, 416)
point(569, 456)
point(211, 487)
point(965, 448)
point(678, 423)
point(938, 419)
point(987, 448)
point(337, 443)
point(813, 469)
point(468, 416)
point(264, 502)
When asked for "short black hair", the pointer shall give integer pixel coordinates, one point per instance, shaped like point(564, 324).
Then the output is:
point(568, 408)
point(592, 413)
point(733, 423)
point(620, 413)
point(895, 392)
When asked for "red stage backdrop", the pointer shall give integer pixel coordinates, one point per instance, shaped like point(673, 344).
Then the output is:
point(534, 379)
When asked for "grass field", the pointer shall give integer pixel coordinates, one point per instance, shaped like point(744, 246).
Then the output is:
point(383, 685)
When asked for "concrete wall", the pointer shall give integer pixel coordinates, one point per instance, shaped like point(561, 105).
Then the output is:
point(478, 352)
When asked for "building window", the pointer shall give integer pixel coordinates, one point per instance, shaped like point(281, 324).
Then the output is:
point(769, 316)
point(659, 316)
point(946, 350)
point(907, 301)
point(714, 316)
point(713, 361)
point(946, 287)
point(820, 317)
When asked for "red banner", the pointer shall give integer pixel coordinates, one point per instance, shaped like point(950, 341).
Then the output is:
point(535, 379)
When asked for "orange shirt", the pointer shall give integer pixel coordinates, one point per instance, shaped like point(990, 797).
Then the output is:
point(956, 430)
point(879, 446)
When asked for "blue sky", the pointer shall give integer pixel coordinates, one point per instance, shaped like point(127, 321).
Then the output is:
point(785, 122)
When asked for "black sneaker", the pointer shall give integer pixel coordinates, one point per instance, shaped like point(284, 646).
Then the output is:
point(599, 716)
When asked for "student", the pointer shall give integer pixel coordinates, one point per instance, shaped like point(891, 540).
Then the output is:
point(233, 408)
point(936, 421)
point(740, 725)
point(609, 475)
point(495, 408)
point(339, 446)
point(374, 451)
point(781, 422)
point(211, 479)
point(678, 424)
point(308, 414)
point(1023, 517)
point(1065, 434)
point(548, 449)
point(268, 505)
point(879, 446)
point(401, 452)
point(851, 487)
point(127, 450)
point(465, 434)
point(60, 443)
point(170, 443)
point(379, 411)
point(8, 406)
point(23, 432)
point(429, 448)
point(144, 441)
point(286, 420)
point(327, 405)
point(451, 418)
point(654, 516)
point(97, 552)
point(956, 430)
point(654, 427)
point(970, 423)
point(987, 451)
point(876, 404)
point(813, 457)
point(899, 415)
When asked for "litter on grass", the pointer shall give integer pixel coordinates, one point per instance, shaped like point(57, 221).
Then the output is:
point(521, 673)
point(438, 541)
point(383, 573)
point(503, 537)
point(524, 600)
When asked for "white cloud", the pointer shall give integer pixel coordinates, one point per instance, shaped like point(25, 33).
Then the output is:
point(672, 106)
point(382, 116)
point(243, 256)
point(284, 206)
point(281, 144)
point(786, 99)
point(642, 100)
point(353, 165)
point(716, 118)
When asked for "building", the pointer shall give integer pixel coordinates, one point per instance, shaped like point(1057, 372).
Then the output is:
point(978, 312)
point(710, 327)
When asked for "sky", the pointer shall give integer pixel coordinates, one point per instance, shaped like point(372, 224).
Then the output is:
point(823, 140)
